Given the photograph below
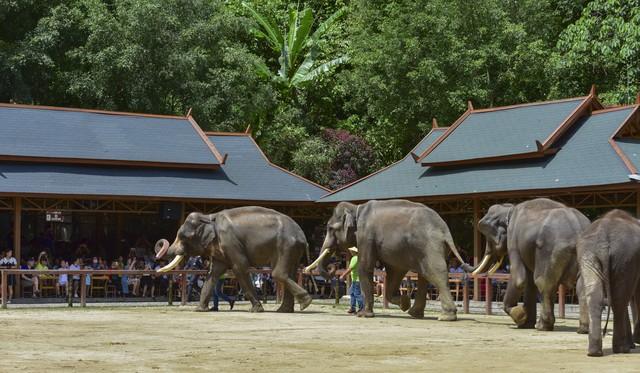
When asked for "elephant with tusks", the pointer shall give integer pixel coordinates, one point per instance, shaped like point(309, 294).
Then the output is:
point(402, 235)
point(539, 237)
point(238, 239)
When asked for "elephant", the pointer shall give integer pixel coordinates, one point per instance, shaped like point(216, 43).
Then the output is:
point(402, 235)
point(539, 236)
point(609, 258)
point(237, 239)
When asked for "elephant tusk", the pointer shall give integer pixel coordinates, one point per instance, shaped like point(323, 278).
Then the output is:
point(174, 263)
point(496, 266)
point(313, 265)
point(484, 263)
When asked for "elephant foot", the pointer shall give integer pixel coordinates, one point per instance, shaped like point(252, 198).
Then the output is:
point(544, 326)
point(621, 350)
point(367, 314)
point(257, 308)
point(448, 317)
point(305, 301)
point(416, 313)
point(405, 302)
point(285, 309)
point(519, 315)
point(202, 309)
point(583, 329)
point(594, 353)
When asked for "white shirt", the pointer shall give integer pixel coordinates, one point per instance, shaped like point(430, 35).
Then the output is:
point(8, 262)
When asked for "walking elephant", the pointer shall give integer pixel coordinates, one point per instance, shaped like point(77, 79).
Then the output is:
point(237, 239)
point(404, 236)
point(539, 236)
point(609, 258)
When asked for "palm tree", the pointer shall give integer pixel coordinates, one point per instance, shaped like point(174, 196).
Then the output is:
point(297, 48)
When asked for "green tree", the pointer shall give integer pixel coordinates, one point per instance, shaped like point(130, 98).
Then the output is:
point(297, 47)
point(602, 48)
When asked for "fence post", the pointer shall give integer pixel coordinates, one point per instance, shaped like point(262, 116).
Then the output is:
point(561, 300)
point(183, 290)
point(488, 294)
point(385, 302)
point(4, 289)
point(170, 290)
point(83, 290)
point(465, 295)
point(69, 290)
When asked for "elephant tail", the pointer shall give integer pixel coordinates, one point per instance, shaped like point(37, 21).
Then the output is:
point(602, 272)
point(452, 246)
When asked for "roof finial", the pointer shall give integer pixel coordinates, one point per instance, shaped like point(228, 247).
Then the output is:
point(592, 92)
point(248, 129)
point(434, 123)
point(469, 105)
point(638, 98)
point(188, 113)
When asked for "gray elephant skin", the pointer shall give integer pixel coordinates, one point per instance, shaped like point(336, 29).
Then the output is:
point(238, 239)
point(404, 236)
point(539, 237)
point(609, 257)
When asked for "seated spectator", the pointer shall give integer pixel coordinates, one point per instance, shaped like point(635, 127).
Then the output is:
point(135, 264)
point(146, 282)
point(116, 280)
point(9, 262)
point(76, 278)
point(160, 282)
point(454, 266)
point(63, 279)
point(95, 264)
point(30, 280)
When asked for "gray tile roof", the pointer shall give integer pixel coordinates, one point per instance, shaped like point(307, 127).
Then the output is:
point(502, 131)
point(247, 176)
point(69, 134)
point(585, 159)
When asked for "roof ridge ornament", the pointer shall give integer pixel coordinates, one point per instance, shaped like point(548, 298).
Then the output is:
point(248, 130)
point(434, 123)
point(638, 98)
point(469, 105)
point(188, 113)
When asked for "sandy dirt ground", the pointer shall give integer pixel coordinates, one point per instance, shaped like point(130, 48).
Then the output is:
point(320, 339)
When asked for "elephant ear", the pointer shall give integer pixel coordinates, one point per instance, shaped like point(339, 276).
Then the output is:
point(348, 225)
point(207, 231)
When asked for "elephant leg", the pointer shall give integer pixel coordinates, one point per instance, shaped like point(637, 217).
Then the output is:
point(594, 298)
point(635, 304)
point(282, 274)
point(437, 274)
point(287, 298)
point(620, 297)
point(244, 279)
point(547, 318)
point(417, 310)
point(530, 302)
point(366, 286)
point(583, 328)
point(392, 284)
point(514, 289)
point(216, 269)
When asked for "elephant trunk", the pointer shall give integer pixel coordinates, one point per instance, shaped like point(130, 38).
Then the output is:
point(176, 250)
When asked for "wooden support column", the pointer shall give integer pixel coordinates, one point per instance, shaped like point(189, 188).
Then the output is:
point(385, 301)
point(561, 299)
point(5, 292)
point(465, 296)
point(17, 241)
point(477, 240)
point(183, 290)
point(488, 294)
point(83, 290)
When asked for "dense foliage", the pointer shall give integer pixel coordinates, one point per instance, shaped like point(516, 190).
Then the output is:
point(332, 89)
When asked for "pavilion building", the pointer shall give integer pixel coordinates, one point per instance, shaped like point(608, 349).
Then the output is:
point(572, 150)
point(117, 180)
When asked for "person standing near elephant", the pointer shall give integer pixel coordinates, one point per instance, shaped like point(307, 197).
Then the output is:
point(218, 293)
point(354, 291)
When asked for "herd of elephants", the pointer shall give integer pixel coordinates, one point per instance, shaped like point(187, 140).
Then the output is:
point(547, 244)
